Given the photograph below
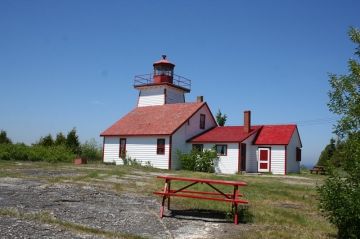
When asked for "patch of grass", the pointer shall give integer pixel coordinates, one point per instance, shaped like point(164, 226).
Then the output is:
point(281, 208)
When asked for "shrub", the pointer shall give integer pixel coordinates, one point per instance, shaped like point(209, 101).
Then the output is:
point(201, 161)
point(91, 150)
point(131, 161)
point(21, 152)
point(340, 194)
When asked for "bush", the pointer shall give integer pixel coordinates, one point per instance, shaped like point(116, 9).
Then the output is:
point(130, 161)
point(340, 194)
point(201, 161)
point(91, 150)
point(21, 152)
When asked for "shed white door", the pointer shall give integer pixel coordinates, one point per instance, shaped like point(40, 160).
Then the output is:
point(264, 160)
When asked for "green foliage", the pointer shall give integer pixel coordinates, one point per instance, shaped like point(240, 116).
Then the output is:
point(327, 154)
point(72, 142)
point(201, 161)
point(60, 139)
point(340, 194)
point(91, 150)
point(22, 152)
point(3, 138)
point(221, 118)
point(345, 93)
point(46, 141)
point(130, 161)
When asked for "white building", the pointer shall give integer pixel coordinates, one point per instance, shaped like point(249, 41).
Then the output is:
point(163, 123)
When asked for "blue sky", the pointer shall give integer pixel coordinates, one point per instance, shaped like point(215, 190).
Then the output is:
point(66, 64)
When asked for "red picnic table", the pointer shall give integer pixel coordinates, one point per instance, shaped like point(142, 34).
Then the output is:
point(218, 195)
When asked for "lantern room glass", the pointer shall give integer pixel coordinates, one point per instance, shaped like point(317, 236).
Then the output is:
point(162, 70)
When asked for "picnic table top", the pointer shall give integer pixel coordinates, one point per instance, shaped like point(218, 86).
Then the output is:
point(319, 167)
point(201, 180)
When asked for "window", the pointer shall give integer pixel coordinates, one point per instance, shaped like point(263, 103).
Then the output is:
point(198, 147)
point(298, 154)
point(122, 150)
point(160, 146)
point(221, 149)
point(202, 121)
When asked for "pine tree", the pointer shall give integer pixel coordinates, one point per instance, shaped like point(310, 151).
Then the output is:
point(221, 118)
point(60, 139)
point(3, 138)
point(72, 141)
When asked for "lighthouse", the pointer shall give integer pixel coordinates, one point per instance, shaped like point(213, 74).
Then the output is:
point(162, 86)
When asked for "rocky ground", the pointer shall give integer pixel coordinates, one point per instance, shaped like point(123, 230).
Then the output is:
point(43, 202)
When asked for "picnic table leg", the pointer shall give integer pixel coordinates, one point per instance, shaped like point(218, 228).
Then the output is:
point(163, 200)
point(235, 197)
point(168, 203)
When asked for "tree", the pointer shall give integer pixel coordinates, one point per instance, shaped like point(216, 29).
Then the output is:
point(46, 141)
point(345, 94)
point(60, 139)
point(221, 118)
point(340, 194)
point(3, 138)
point(72, 141)
point(327, 154)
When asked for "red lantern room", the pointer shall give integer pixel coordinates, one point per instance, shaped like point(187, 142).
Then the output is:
point(161, 86)
point(163, 71)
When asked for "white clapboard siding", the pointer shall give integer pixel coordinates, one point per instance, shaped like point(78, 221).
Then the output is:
point(251, 159)
point(151, 96)
point(293, 166)
point(174, 95)
point(277, 158)
point(179, 144)
point(111, 149)
point(193, 125)
point(227, 164)
point(143, 149)
point(187, 131)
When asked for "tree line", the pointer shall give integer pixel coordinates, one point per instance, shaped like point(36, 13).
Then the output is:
point(58, 149)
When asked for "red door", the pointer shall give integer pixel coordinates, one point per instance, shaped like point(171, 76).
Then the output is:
point(264, 160)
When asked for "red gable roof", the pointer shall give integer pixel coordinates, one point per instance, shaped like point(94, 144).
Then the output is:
point(225, 134)
point(154, 120)
point(275, 134)
point(266, 134)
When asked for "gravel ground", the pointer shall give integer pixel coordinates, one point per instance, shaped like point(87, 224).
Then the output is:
point(96, 208)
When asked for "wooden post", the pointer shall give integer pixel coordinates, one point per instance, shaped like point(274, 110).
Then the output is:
point(163, 200)
point(236, 192)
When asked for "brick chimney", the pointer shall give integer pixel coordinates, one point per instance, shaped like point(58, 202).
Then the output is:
point(200, 99)
point(247, 121)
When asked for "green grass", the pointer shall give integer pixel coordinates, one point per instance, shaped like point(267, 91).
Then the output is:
point(279, 207)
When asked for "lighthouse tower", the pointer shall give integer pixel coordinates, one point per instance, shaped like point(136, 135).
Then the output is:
point(162, 86)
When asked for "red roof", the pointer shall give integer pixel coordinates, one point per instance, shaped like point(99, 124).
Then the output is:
point(275, 134)
point(153, 120)
point(266, 134)
point(225, 134)
point(163, 62)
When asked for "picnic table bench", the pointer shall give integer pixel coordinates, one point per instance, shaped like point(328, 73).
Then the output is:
point(234, 198)
point(318, 169)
